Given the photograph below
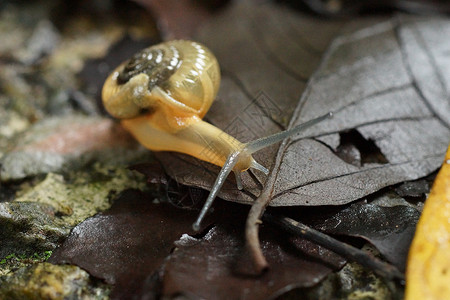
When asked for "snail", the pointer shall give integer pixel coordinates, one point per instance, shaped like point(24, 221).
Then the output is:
point(161, 95)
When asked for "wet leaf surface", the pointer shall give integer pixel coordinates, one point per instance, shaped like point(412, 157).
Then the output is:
point(127, 244)
point(153, 171)
point(208, 268)
point(389, 229)
point(413, 189)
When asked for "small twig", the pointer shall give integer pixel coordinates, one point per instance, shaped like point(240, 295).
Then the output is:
point(251, 233)
point(378, 266)
point(254, 219)
point(260, 204)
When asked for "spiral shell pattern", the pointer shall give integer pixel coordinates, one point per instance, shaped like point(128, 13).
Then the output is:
point(186, 71)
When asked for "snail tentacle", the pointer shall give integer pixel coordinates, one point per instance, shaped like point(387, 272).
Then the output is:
point(250, 148)
point(161, 95)
point(220, 180)
point(239, 184)
point(264, 142)
point(257, 166)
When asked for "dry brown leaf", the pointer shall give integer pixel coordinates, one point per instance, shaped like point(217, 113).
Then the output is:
point(378, 76)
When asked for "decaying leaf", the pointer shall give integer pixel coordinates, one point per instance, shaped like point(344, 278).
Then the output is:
point(428, 269)
point(380, 77)
point(389, 229)
point(127, 244)
point(213, 267)
point(273, 54)
point(207, 268)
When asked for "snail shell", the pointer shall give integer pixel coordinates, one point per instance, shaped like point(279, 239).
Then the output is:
point(161, 95)
point(186, 72)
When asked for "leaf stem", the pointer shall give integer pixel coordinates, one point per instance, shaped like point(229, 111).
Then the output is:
point(349, 252)
point(260, 204)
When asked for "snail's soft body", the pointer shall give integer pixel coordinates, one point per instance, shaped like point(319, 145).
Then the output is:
point(174, 84)
point(161, 95)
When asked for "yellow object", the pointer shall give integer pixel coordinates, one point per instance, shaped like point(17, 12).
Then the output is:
point(161, 95)
point(428, 269)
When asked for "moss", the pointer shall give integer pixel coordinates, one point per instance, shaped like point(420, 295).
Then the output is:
point(14, 261)
point(48, 281)
point(85, 193)
point(35, 257)
point(42, 216)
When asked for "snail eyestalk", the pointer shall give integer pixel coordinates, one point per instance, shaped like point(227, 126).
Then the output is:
point(161, 95)
point(226, 169)
point(250, 148)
